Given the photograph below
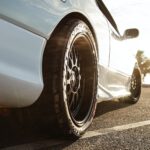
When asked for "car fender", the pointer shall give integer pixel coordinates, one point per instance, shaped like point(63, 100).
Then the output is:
point(32, 24)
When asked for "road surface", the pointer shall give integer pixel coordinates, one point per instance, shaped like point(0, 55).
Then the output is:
point(117, 126)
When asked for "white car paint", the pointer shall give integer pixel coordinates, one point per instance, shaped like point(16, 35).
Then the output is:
point(25, 27)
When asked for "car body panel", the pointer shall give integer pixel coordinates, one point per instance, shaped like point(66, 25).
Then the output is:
point(32, 24)
point(46, 15)
point(20, 66)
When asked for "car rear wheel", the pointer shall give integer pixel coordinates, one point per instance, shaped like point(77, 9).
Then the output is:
point(70, 76)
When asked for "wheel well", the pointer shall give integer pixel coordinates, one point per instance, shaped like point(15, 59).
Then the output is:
point(59, 26)
point(75, 15)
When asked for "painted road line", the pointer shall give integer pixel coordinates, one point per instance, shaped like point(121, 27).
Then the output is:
point(89, 134)
point(104, 131)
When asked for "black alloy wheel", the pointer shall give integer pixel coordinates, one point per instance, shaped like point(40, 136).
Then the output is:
point(70, 73)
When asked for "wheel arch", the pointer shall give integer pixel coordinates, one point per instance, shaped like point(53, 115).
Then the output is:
point(75, 15)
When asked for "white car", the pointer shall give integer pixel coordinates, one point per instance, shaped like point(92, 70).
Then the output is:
point(61, 56)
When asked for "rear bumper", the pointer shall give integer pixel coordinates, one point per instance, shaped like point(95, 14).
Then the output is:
point(21, 53)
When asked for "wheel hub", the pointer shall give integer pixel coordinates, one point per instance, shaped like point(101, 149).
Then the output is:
point(75, 79)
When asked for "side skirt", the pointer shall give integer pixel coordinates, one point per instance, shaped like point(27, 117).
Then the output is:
point(112, 84)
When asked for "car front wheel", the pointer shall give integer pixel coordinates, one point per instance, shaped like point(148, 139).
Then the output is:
point(135, 86)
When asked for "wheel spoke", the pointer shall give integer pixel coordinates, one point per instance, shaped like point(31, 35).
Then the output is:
point(74, 55)
point(69, 95)
point(70, 61)
point(77, 100)
point(71, 105)
point(75, 58)
point(74, 103)
point(78, 58)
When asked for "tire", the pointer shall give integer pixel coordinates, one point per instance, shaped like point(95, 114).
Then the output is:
point(70, 76)
point(134, 87)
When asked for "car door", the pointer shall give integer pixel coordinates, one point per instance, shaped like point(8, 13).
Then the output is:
point(121, 57)
point(122, 52)
point(122, 62)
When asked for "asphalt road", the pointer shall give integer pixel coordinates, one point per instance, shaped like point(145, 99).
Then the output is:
point(117, 126)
